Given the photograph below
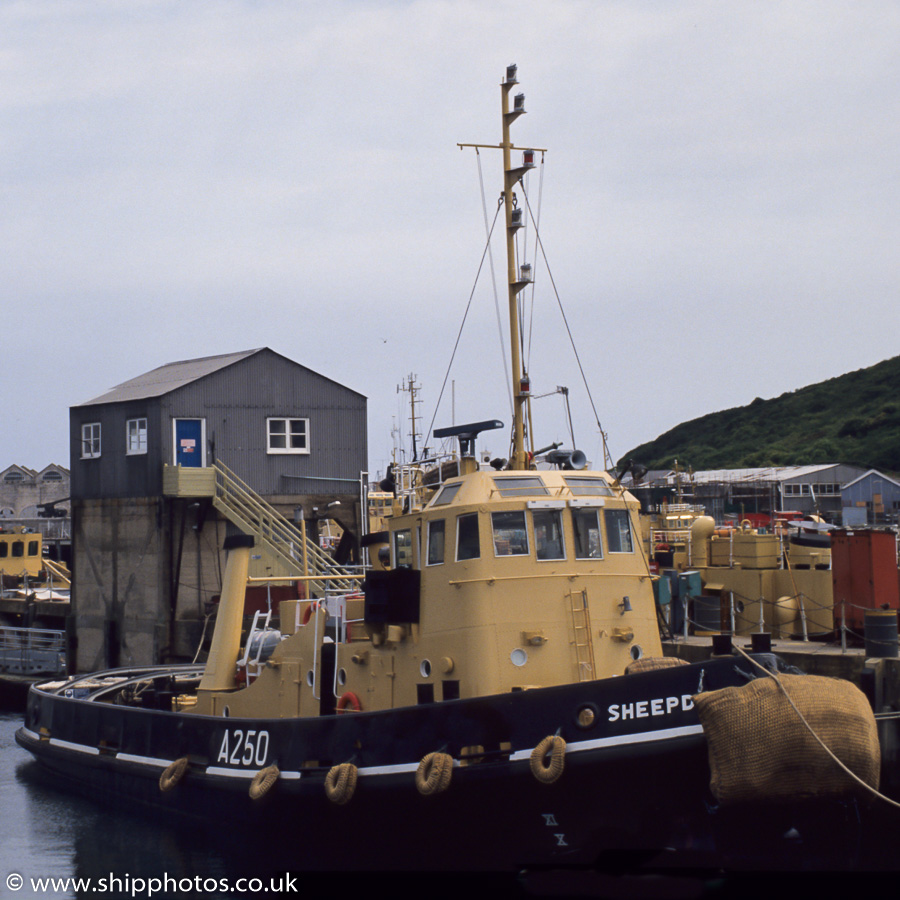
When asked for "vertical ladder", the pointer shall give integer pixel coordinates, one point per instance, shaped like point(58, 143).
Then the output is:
point(582, 644)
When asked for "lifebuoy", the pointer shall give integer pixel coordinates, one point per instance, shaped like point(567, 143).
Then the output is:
point(172, 774)
point(348, 699)
point(263, 781)
point(307, 613)
point(548, 759)
point(433, 774)
point(340, 783)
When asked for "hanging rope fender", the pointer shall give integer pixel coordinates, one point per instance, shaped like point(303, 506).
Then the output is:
point(433, 774)
point(172, 774)
point(263, 781)
point(548, 759)
point(340, 783)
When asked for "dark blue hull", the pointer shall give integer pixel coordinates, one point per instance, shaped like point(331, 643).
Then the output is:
point(634, 789)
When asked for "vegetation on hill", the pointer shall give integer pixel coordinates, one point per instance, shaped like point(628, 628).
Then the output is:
point(852, 419)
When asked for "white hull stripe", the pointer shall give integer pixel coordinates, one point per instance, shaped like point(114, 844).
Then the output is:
point(145, 760)
point(68, 745)
point(619, 740)
point(400, 768)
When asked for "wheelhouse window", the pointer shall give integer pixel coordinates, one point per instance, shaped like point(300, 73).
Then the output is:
point(446, 494)
point(436, 542)
point(135, 436)
point(467, 544)
point(586, 525)
point(510, 536)
point(403, 555)
point(548, 536)
point(588, 486)
point(90, 440)
point(33, 548)
point(618, 531)
point(288, 435)
point(520, 486)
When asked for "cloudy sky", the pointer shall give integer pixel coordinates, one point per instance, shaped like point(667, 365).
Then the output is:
point(720, 201)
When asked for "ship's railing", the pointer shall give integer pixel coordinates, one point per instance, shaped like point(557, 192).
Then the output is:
point(32, 651)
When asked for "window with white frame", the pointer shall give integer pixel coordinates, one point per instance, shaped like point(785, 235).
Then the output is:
point(90, 440)
point(288, 435)
point(135, 436)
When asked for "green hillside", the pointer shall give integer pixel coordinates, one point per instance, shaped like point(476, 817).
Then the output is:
point(852, 419)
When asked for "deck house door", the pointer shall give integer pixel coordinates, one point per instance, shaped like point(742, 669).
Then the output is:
point(190, 442)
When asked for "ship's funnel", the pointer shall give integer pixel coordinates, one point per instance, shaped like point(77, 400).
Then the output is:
point(567, 459)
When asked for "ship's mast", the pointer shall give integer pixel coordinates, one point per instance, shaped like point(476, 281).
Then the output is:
point(518, 277)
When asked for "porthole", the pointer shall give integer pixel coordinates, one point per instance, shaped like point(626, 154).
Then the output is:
point(587, 716)
point(425, 668)
point(518, 657)
point(342, 677)
point(310, 678)
point(226, 712)
point(636, 652)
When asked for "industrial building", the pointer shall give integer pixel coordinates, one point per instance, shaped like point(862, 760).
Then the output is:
point(156, 463)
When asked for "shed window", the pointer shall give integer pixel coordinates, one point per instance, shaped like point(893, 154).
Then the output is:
point(288, 435)
point(618, 531)
point(136, 436)
point(52, 475)
point(13, 477)
point(90, 440)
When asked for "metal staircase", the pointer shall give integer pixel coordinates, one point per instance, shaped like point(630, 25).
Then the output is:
point(280, 538)
point(285, 551)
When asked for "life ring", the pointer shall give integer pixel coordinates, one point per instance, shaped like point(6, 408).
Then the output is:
point(172, 774)
point(340, 783)
point(433, 774)
point(307, 613)
point(548, 759)
point(348, 700)
point(263, 781)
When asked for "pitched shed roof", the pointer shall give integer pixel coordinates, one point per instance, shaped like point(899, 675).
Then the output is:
point(168, 378)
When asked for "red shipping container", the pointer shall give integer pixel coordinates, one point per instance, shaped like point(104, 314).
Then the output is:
point(863, 573)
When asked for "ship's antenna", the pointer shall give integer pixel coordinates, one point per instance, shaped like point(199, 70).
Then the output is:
point(518, 276)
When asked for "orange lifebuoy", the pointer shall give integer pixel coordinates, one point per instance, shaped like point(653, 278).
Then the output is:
point(348, 700)
point(307, 613)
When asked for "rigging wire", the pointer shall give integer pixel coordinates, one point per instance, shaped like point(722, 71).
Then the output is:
point(537, 226)
point(462, 324)
point(539, 243)
point(488, 231)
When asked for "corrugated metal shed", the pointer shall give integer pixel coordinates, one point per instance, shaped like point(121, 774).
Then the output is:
point(167, 378)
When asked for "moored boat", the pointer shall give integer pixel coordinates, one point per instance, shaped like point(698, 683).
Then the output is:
point(496, 698)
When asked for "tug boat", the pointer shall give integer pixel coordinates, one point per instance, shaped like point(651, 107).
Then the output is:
point(496, 699)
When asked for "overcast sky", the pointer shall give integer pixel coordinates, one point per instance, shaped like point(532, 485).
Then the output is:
point(719, 206)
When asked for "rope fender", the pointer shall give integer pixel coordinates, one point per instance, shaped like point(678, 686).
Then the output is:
point(172, 774)
point(263, 781)
point(548, 759)
point(340, 783)
point(433, 774)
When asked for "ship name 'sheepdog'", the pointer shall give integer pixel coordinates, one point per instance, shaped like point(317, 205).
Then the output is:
point(641, 709)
